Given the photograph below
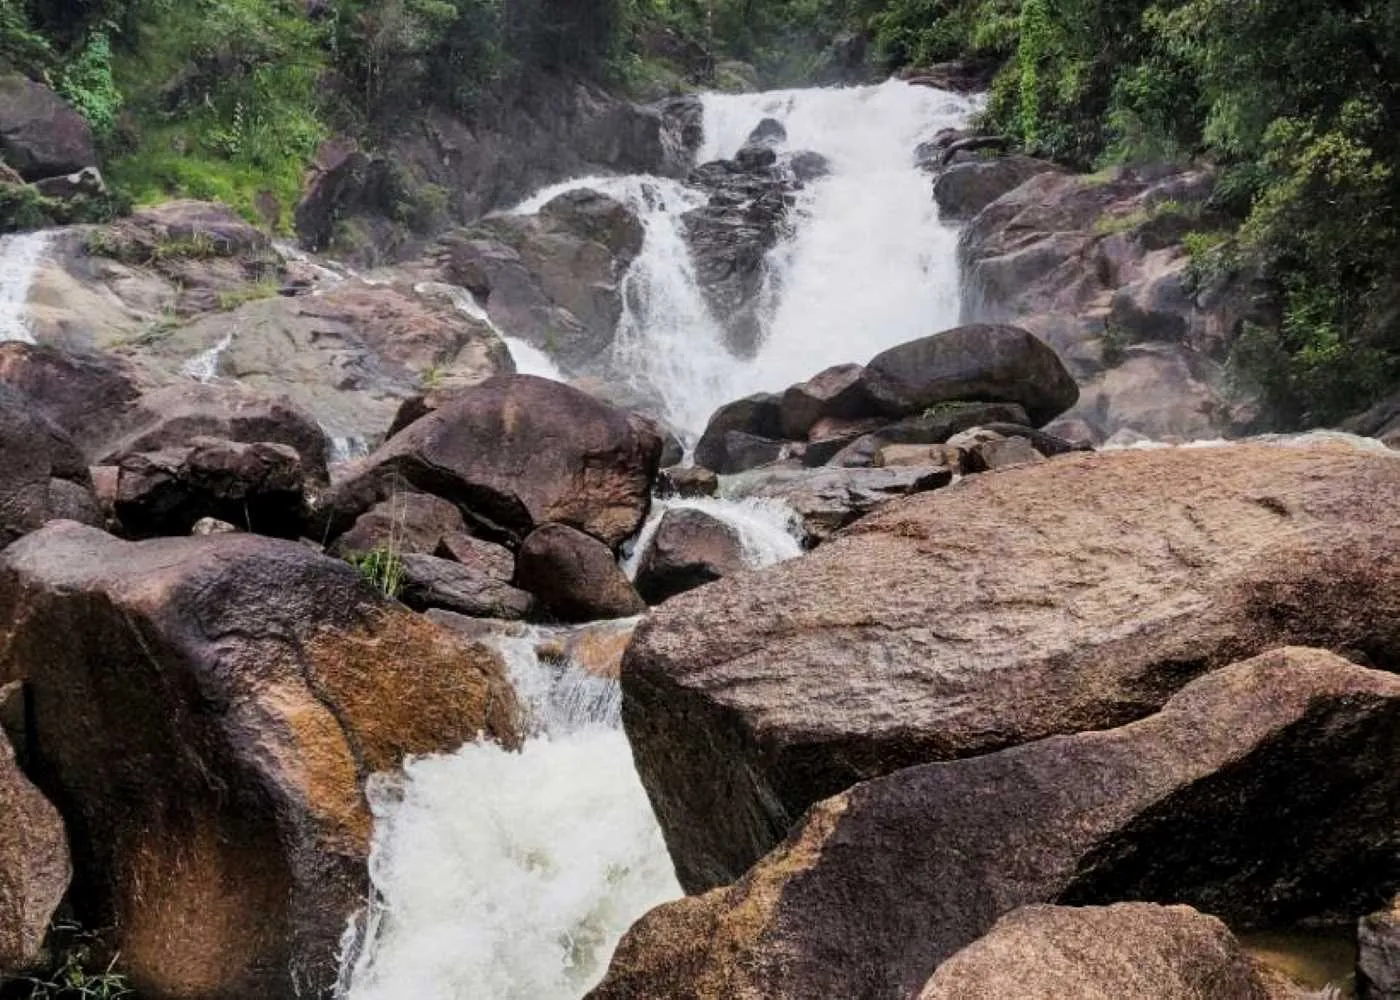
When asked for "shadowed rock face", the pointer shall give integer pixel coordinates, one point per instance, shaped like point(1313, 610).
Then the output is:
point(34, 868)
point(42, 473)
point(1129, 951)
point(690, 549)
point(204, 712)
point(515, 452)
point(576, 577)
point(40, 133)
point(1264, 793)
point(1074, 594)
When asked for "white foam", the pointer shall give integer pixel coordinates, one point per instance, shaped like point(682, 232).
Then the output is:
point(20, 256)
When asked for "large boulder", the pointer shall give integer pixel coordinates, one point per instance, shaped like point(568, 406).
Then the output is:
point(84, 394)
point(1072, 594)
point(553, 278)
point(430, 582)
point(515, 452)
point(34, 866)
point(1265, 793)
point(258, 487)
point(758, 416)
point(575, 576)
point(690, 549)
point(41, 471)
point(40, 133)
point(964, 189)
point(205, 711)
point(409, 522)
point(836, 393)
point(174, 416)
point(1128, 951)
point(982, 363)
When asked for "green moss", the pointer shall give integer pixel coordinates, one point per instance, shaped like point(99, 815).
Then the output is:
point(23, 207)
point(257, 291)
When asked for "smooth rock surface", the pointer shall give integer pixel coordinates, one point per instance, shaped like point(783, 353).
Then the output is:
point(690, 549)
point(430, 582)
point(1243, 797)
point(1073, 594)
point(575, 576)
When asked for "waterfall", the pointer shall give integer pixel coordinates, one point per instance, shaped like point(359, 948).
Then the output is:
point(204, 366)
point(507, 875)
point(20, 256)
point(529, 359)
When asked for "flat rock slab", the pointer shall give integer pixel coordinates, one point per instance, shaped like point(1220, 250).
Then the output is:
point(1073, 594)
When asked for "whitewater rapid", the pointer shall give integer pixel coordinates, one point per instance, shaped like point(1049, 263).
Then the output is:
point(20, 256)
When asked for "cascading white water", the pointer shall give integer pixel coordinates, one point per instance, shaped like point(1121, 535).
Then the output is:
point(204, 366)
point(529, 360)
point(20, 256)
point(768, 530)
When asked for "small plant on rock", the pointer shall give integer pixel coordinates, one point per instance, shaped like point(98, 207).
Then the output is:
point(382, 570)
point(77, 975)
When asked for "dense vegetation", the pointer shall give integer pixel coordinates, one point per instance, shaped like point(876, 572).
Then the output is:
point(1295, 100)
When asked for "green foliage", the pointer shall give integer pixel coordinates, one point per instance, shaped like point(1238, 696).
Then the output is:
point(382, 569)
point(22, 47)
point(23, 207)
point(87, 83)
point(77, 974)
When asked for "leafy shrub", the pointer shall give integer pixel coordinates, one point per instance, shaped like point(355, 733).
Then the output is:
point(88, 84)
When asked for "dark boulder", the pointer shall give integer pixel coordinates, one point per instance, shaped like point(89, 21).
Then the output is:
point(836, 393)
point(495, 561)
point(972, 363)
point(575, 576)
point(205, 712)
point(257, 487)
point(1103, 583)
point(933, 427)
point(964, 189)
point(512, 453)
point(40, 469)
point(759, 415)
point(1242, 797)
point(84, 394)
point(407, 522)
point(686, 482)
point(690, 549)
point(40, 133)
point(430, 582)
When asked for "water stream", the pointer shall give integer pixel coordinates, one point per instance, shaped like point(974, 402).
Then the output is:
point(20, 256)
point(511, 875)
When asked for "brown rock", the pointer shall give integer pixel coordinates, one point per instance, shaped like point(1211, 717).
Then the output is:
point(429, 582)
point(40, 133)
point(836, 393)
point(1053, 598)
point(986, 456)
point(1235, 799)
point(1378, 959)
point(36, 456)
point(758, 416)
point(972, 363)
point(1128, 951)
point(495, 561)
point(34, 867)
point(205, 711)
point(175, 416)
point(686, 482)
point(898, 455)
point(84, 394)
point(934, 427)
point(515, 452)
point(258, 487)
point(406, 522)
point(964, 189)
point(596, 647)
point(575, 576)
point(690, 549)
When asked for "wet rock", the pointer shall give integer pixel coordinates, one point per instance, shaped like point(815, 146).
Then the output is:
point(495, 561)
point(686, 482)
point(690, 549)
point(173, 417)
point(512, 453)
point(749, 451)
point(808, 166)
point(964, 189)
point(553, 279)
point(1378, 959)
point(768, 132)
point(430, 582)
point(259, 487)
point(1225, 800)
point(575, 576)
point(34, 866)
point(84, 394)
point(960, 76)
point(205, 711)
point(1253, 546)
point(407, 522)
point(1128, 951)
point(972, 363)
point(596, 648)
point(37, 457)
point(935, 426)
point(836, 393)
point(40, 133)
point(827, 500)
point(759, 415)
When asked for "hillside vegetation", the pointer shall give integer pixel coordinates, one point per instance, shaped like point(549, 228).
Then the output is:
point(1295, 100)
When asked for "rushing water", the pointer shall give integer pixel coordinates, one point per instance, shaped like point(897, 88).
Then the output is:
point(20, 256)
point(511, 875)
